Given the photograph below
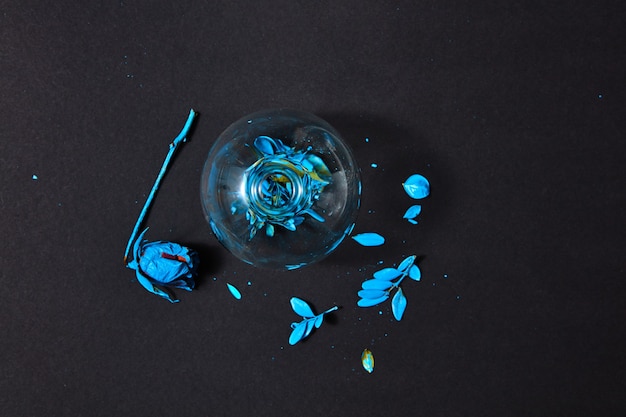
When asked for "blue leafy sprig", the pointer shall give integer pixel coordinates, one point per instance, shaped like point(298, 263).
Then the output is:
point(301, 330)
point(377, 290)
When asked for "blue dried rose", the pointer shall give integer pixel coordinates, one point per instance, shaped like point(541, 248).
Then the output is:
point(166, 264)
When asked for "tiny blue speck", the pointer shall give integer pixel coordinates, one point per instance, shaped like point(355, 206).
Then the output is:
point(367, 139)
point(445, 275)
point(374, 165)
point(380, 312)
point(35, 177)
point(249, 283)
point(458, 297)
point(600, 96)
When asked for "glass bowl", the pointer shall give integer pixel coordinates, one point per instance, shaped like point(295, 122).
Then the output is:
point(280, 189)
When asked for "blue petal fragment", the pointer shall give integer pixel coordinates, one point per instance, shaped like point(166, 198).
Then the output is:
point(416, 186)
point(265, 145)
point(234, 291)
point(367, 302)
point(367, 360)
point(415, 273)
point(301, 307)
point(369, 239)
point(406, 264)
point(412, 212)
point(398, 304)
point(371, 294)
point(376, 284)
point(387, 274)
point(298, 333)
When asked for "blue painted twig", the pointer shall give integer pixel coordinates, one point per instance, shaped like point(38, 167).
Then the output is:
point(182, 137)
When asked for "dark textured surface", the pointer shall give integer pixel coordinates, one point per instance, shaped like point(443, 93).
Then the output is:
point(514, 111)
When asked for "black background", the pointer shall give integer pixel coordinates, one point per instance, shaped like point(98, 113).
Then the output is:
point(513, 110)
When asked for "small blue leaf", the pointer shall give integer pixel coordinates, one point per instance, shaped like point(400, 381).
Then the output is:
point(301, 307)
point(387, 274)
point(371, 294)
point(376, 284)
point(398, 304)
point(367, 360)
point(416, 186)
point(298, 333)
point(318, 321)
point(366, 302)
point(369, 239)
point(406, 264)
point(234, 291)
point(415, 273)
point(412, 213)
point(310, 324)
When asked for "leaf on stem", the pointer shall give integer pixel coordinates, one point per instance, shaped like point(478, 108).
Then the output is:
point(301, 307)
point(398, 304)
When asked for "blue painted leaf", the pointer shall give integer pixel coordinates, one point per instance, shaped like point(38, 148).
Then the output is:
point(369, 239)
point(367, 360)
point(371, 294)
point(301, 307)
point(416, 186)
point(412, 221)
point(376, 284)
point(398, 304)
point(387, 274)
point(415, 273)
point(367, 302)
point(413, 212)
point(318, 321)
point(153, 288)
point(310, 324)
point(297, 333)
point(234, 291)
point(406, 264)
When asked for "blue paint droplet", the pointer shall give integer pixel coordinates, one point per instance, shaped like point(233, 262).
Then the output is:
point(374, 165)
point(367, 139)
point(35, 177)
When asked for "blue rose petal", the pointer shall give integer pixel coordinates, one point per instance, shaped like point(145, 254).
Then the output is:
point(416, 186)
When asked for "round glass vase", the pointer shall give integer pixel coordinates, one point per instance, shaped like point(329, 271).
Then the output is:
point(280, 189)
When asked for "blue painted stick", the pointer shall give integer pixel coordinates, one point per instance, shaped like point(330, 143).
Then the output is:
point(182, 137)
